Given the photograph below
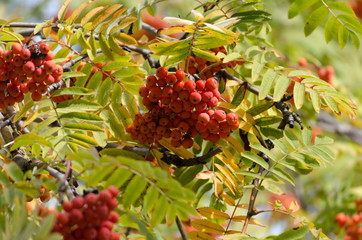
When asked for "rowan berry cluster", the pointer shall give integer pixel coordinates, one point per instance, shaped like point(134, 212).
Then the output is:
point(353, 224)
point(89, 217)
point(26, 69)
point(197, 64)
point(181, 109)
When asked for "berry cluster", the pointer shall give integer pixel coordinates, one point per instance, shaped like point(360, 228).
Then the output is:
point(353, 224)
point(89, 217)
point(26, 69)
point(180, 110)
point(197, 64)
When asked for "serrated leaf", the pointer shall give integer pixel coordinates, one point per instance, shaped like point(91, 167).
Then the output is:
point(239, 95)
point(343, 35)
point(73, 91)
point(222, 85)
point(342, 7)
point(104, 91)
point(315, 19)
point(204, 225)
point(209, 56)
point(160, 211)
point(298, 6)
point(125, 38)
point(331, 28)
point(316, 81)
point(115, 46)
point(108, 12)
point(256, 69)
point(301, 74)
point(307, 136)
point(72, 74)
point(281, 87)
point(177, 22)
point(283, 174)
point(267, 83)
point(133, 190)
point(83, 138)
point(298, 94)
point(212, 213)
point(293, 234)
point(105, 47)
point(255, 158)
point(82, 126)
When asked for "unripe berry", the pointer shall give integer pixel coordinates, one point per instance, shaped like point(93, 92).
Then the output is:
point(161, 72)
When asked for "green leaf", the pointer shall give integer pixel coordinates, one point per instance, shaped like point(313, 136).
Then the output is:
point(222, 85)
point(29, 138)
point(62, 11)
point(83, 138)
point(46, 227)
point(160, 210)
point(315, 19)
point(82, 41)
point(73, 91)
point(261, 107)
point(115, 46)
point(81, 116)
point(298, 6)
point(14, 171)
point(283, 174)
point(79, 103)
point(302, 158)
point(239, 95)
point(298, 94)
point(300, 73)
point(293, 234)
point(269, 120)
point(271, 132)
point(113, 124)
point(351, 22)
point(150, 199)
point(255, 158)
point(355, 40)
point(307, 136)
point(267, 83)
point(23, 110)
point(104, 91)
point(86, 69)
point(62, 53)
point(342, 7)
point(314, 95)
point(343, 35)
point(292, 140)
point(256, 69)
point(125, 38)
point(316, 81)
point(82, 126)
point(331, 104)
point(119, 177)
point(209, 56)
point(133, 190)
point(127, 72)
point(281, 87)
point(72, 74)
point(331, 28)
point(105, 47)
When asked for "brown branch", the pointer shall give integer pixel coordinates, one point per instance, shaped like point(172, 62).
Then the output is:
point(180, 228)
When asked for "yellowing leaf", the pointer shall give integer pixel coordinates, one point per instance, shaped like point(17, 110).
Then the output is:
point(194, 235)
point(218, 188)
point(227, 174)
point(251, 220)
point(209, 56)
point(3, 157)
point(178, 22)
point(115, 46)
point(212, 213)
point(109, 11)
point(123, 37)
point(235, 144)
point(63, 9)
point(181, 151)
point(227, 199)
point(90, 14)
point(225, 181)
point(204, 225)
point(229, 163)
point(77, 11)
point(173, 30)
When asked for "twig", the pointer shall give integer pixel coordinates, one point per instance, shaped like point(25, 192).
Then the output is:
point(180, 228)
point(60, 176)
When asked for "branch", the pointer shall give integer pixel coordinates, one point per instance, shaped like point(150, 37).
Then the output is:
point(180, 228)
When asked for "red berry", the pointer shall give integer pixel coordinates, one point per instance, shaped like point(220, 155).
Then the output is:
point(105, 196)
point(161, 72)
point(29, 68)
point(36, 96)
point(44, 48)
point(18, 61)
point(176, 106)
point(90, 233)
point(213, 102)
point(180, 75)
point(115, 236)
point(16, 48)
point(161, 82)
point(176, 135)
point(39, 75)
point(187, 143)
point(78, 202)
point(62, 218)
point(58, 71)
point(213, 125)
point(151, 81)
point(206, 96)
point(302, 62)
point(104, 234)
point(49, 66)
point(190, 85)
point(50, 55)
point(13, 90)
point(25, 54)
point(201, 107)
point(102, 211)
point(143, 92)
point(75, 216)
point(195, 97)
point(178, 86)
point(214, 138)
point(200, 85)
point(172, 79)
point(211, 84)
point(231, 118)
point(8, 55)
point(183, 126)
point(91, 199)
point(203, 118)
point(184, 95)
point(176, 143)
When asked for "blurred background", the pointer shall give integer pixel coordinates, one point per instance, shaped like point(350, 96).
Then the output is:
point(327, 190)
